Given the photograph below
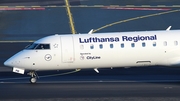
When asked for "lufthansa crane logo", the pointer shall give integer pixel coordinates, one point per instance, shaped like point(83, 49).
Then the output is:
point(82, 57)
point(48, 57)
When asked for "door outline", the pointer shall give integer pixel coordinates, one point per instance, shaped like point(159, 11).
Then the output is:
point(67, 49)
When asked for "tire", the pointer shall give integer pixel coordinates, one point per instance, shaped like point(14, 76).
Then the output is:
point(33, 80)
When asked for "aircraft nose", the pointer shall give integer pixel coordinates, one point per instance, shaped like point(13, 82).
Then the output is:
point(15, 60)
point(8, 63)
point(12, 62)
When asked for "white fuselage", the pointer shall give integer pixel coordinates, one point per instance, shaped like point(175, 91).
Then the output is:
point(100, 50)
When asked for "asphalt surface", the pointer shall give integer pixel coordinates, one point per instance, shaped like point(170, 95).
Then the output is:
point(121, 84)
point(118, 84)
point(90, 91)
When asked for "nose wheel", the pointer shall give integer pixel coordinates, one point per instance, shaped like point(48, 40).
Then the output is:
point(33, 79)
point(34, 76)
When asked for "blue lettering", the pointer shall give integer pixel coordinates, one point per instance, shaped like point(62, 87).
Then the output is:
point(96, 39)
point(124, 38)
point(81, 40)
point(138, 38)
point(116, 39)
point(130, 38)
point(135, 39)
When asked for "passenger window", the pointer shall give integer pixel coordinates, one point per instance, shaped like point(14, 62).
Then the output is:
point(154, 44)
point(132, 45)
point(111, 46)
point(175, 43)
point(92, 46)
point(122, 45)
point(101, 46)
point(143, 44)
point(165, 43)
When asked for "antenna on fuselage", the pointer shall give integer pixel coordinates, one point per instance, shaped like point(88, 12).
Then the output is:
point(95, 69)
point(90, 32)
point(168, 28)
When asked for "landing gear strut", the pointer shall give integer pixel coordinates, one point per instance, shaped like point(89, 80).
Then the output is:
point(34, 76)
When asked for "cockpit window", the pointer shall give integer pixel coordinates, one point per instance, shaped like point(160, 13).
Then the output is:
point(37, 46)
point(43, 46)
point(32, 46)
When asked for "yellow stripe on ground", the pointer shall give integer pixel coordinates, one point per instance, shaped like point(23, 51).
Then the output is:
point(70, 17)
point(83, 6)
point(16, 41)
point(176, 6)
point(136, 18)
point(53, 6)
point(114, 5)
point(4, 6)
point(76, 70)
point(36, 6)
point(98, 5)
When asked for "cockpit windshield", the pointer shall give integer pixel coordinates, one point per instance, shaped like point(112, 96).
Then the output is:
point(36, 46)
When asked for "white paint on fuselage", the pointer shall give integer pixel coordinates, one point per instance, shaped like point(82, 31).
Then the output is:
point(69, 52)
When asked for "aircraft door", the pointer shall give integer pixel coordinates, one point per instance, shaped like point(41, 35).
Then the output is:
point(67, 49)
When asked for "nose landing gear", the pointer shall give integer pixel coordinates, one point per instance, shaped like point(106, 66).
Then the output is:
point(34, 76)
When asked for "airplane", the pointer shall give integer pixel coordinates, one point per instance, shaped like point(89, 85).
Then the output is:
point(100, 50)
